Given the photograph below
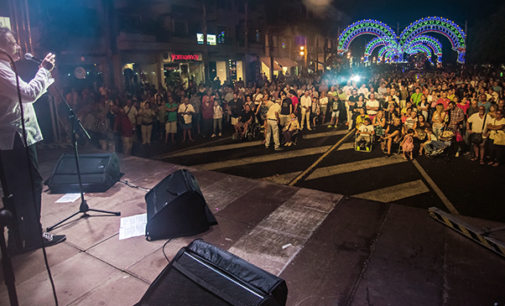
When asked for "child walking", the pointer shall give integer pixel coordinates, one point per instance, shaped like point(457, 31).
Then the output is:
point(408, 144)
point(218, 119)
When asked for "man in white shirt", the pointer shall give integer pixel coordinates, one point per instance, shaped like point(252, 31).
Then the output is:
point(363, 90)
point(131, 111)
point(306, 105)
point(382, 91)
point(348, 88)
point(273, 124)
point(479, 122)
point(372, 106)
point(26, 231)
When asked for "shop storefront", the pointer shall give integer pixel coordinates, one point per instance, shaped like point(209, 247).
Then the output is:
point(181, 68)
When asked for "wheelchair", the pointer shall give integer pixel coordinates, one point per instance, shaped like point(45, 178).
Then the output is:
point(362, 146)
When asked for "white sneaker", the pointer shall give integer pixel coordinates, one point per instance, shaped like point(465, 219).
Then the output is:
point(220, 134)
point(213, 135)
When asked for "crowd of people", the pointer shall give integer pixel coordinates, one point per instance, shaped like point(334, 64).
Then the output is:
point(411, 109)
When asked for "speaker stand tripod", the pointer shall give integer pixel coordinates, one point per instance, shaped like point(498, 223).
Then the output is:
point(83, 208)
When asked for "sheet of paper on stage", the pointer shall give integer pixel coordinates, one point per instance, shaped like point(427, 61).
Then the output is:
point(133, 226)
point(69, 198)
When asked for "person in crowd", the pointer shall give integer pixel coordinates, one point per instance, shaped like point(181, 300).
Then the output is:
point(365, 133)
point(415, 98)
point(456, 119)
point(186, 110)
point(379, 123)
point(408, 144)
point(496, 128)
point(306, 105)
point(171, 109)
point(315, 111)
point(289, 129)
point(429, 138)
point(409, 122)
point(207, 113)
point(484, 102)
point(350, 104)
point(438, 120)
point(476, 126)
point(323, 105)
point(335, 108)
point(473, 108)
point(196, 102)
point(295, 101)
point(124, 127)
point(286, 109)
point(360, 119)
point(492, 111)
point(393, 133)
point(372, 106)
point(218, 119)
point(146, 116)
point(272, 123)
point(244, 120)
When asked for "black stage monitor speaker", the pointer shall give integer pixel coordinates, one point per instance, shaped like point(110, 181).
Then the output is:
point(99, 172)
point(176, 208)
point(202, 274)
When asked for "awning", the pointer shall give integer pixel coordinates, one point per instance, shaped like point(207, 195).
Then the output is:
point(285, 62)
point(266, 61)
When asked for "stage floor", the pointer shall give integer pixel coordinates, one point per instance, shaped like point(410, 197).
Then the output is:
point(343, 251)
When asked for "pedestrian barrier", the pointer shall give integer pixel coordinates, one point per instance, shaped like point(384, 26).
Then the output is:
point(478, 235)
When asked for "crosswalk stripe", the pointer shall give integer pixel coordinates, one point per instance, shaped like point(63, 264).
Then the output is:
point(286, 178)
point(261, 159)
point(395, 193)
point(354, 166)
point(276, 240)
point(243, 145)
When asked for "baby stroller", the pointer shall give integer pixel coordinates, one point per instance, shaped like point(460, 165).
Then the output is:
point(445, 147)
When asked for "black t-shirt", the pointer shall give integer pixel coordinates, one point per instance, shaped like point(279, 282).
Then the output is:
point(235, 107)
point(286, 103)
point(393, 128)
point(245, 116)
point(389, 116)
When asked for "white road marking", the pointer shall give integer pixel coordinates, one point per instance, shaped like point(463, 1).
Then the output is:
point(354, 166)
point(290, 224)
point(243, 145)
point(435, 188)
point(261, 159)
point(395, 193)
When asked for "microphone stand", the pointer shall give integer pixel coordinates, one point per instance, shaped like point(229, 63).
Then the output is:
point(83, 208)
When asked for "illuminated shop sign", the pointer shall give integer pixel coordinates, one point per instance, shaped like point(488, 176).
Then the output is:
point(185, 57)
point(211, 39)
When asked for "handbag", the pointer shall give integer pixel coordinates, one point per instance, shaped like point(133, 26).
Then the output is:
point(476, 138)
point(499, 138)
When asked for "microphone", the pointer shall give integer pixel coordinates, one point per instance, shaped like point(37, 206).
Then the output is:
point(30, 57)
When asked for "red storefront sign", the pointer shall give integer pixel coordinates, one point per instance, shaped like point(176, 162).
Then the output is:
point(185, 57)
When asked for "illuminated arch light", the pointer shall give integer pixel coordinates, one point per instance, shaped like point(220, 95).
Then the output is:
point(388, 53)
point(427, 40)
point(376, 42)
point(421, 48)
point(439, 25)
point(421, 44)
point(362, 27)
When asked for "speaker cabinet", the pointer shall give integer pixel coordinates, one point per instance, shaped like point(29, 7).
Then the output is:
point(99, 172)
point(176, 208)
point(202, 274)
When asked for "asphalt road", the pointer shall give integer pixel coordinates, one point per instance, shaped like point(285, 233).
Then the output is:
point(458, 186)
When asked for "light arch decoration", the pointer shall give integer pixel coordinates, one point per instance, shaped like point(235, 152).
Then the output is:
point(440, 25)
point(426, 40)
point(362, 27)
point(376, 42)
point(387, 52)
point(421, 48)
